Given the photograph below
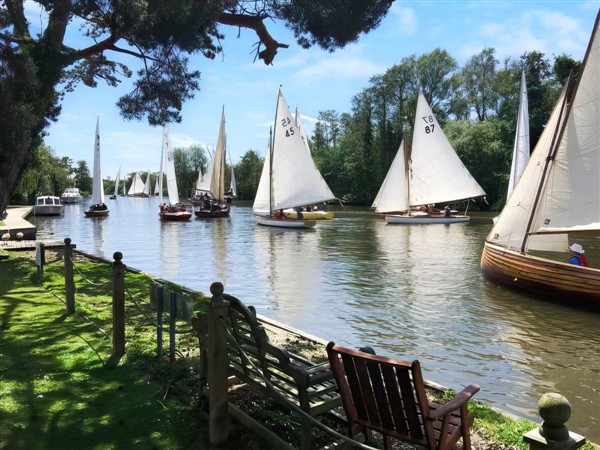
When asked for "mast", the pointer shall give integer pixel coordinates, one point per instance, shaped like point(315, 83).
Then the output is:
point(271, 170)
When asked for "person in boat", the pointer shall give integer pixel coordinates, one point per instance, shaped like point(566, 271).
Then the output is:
point(447, 211)
point(577, 256)
point(279, 214)
point(299, 214)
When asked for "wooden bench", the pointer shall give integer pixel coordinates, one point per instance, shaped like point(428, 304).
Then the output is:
point(283, 376)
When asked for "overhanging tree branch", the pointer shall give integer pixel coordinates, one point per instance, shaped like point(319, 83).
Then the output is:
point(255, 23)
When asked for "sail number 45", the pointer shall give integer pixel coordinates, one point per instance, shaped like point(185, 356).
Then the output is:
point(285, 122)
point(430, 124)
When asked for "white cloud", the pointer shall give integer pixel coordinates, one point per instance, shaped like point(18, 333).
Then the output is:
point(404, 21)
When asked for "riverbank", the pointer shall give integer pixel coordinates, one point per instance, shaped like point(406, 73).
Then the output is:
point(57, 389)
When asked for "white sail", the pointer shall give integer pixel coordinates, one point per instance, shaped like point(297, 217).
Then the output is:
point(137, 185)
point(146, 190)
point(298, 121)
point(510, 229)
point(170, 168)
point(217, 178)
point(295, 179)
point(232, 186)
point(97, 183)
point(437, 175)
point(156, 186)
point(571, 193)
point(205, 180)
point(393, 193)
point(262, 200)
point(117, 180)
point(521, 148)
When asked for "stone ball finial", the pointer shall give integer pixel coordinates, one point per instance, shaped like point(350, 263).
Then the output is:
point(117, 256)
point(216, 288)
point(555, 410)
point(67, 241)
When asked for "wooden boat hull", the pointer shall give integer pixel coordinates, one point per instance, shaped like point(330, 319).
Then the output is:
point(284, 223)
point(424, 219)
point(544, 276)
point(177, 216)
point(92, 213)
point(309, 215)
point(207, 214)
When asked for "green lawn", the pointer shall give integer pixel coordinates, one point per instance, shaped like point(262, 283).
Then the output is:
point(57, 390)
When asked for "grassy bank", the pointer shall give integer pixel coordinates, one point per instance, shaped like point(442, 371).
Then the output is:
point(59, 387)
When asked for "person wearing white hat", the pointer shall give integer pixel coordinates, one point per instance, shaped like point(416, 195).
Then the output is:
point(577, 257)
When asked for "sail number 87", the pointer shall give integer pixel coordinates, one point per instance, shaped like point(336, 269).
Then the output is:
point(430, 124)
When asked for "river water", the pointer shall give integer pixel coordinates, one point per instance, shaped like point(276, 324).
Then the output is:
point(411, 292)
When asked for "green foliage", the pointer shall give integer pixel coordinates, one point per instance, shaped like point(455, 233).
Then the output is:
point(247, 173)
point(480, 146)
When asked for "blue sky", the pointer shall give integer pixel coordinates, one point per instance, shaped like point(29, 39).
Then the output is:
point(312, 80)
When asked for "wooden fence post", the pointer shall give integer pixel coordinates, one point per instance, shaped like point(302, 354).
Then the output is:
point(218, 415)
point(69, 281)
point(160, 291)
point(118, 307)
point(172, 322)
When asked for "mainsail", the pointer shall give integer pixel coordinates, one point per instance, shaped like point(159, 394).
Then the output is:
point(170, 168)
point(521, 148)
point(137, 186)
point(435, 173)
point(559, 191)
point(97, 182)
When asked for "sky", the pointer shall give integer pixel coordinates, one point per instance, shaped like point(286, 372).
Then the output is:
point(311, 80)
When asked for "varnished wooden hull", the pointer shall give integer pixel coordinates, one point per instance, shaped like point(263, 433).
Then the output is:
point(177, 216)
point(560, 280)
point(424, 219)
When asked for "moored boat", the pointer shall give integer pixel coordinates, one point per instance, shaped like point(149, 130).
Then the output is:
point(557, 195)
point(48, 205)
point(71, 195)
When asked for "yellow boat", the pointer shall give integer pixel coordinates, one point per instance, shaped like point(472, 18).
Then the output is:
point(309, 215)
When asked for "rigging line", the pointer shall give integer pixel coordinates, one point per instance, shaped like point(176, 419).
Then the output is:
point(286, 401)
point(150, 321)
point(86, 279)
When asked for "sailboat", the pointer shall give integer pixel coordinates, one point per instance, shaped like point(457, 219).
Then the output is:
point(157, 187)
point(146, 190)
point(289, 178)
point(137, 186)
point(521, 149)
point(433, 174)
point(309, 211)
point(557, 194)
point(232, 193)
point(117, 181)
point(98, 208)
point(174, 211)
point(213, 202)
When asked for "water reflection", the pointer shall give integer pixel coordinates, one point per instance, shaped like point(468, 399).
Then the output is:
point(412, 292)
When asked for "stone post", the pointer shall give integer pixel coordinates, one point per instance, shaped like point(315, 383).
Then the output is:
point(218, 362)
point(69, 281)
point(553, 434)
point(118, 306)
